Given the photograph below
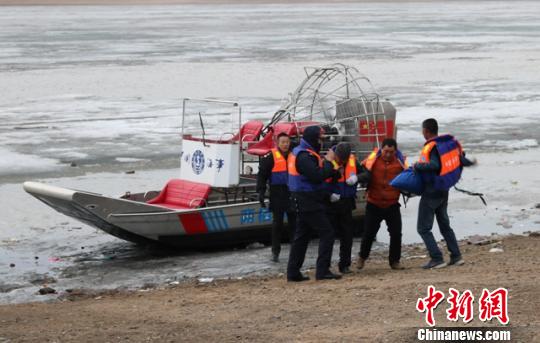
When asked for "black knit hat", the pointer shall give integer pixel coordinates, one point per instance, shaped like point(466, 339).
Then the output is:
point(311, 136)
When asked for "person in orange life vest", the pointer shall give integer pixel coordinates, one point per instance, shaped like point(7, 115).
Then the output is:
point(273, 170)
point(440, 165)
point(342, 190)
point(379, 168)
point(307, 175)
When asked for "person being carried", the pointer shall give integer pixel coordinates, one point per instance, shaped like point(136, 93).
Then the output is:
point(379, 168)
point(273, 171)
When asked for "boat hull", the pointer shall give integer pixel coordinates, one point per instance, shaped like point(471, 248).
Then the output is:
point(142, 223)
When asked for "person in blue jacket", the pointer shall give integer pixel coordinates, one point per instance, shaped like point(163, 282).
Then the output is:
point(440, 165)
point(307, 174)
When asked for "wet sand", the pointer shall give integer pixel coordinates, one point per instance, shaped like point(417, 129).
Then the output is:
point(375, 304)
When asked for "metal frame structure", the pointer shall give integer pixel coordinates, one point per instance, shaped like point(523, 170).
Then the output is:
point(324, 89)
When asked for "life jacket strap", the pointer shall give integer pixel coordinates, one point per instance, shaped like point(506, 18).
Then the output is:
point(480, 195)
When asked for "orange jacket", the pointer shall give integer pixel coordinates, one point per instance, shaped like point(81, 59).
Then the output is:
point(380, 193)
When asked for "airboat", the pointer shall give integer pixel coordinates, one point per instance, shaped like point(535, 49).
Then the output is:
point(213, 201)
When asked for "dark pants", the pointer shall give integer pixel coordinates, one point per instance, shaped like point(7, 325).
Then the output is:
point(278, 228)
point(307, 223)
point(342, 220)
point(372, 222)
point(429, 208)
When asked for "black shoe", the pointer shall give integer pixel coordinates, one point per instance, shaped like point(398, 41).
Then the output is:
point(396, 266)
point(275, 258)
point(344, 270)
point(458, 261)
point(329, 276)
point(432, 264)
point(298, 278)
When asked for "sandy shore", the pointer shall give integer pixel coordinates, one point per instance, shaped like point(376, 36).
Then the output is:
point(375, 304)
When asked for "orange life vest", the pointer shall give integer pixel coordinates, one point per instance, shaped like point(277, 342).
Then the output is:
point(450, 152)
point(296, 181)
point(279, 171)
point(340, 186)
point(450, 161)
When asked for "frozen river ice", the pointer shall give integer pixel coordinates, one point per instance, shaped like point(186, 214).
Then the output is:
point(101, 87)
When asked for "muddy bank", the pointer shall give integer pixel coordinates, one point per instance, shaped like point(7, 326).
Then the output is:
point(376, 304)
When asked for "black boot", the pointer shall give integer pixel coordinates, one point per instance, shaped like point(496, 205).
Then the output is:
point(329, 276)
point(299, 278)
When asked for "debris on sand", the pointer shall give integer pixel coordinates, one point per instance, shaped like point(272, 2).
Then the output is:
point(130, 172)
point(483, 240)
point(47, 290)
point(205, 279)
point(534, 234)
point(496, 249)
point(73, 294)
point(415, 257)
point(149, 285)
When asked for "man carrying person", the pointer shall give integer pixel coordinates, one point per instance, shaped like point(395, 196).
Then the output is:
point(440, 165)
